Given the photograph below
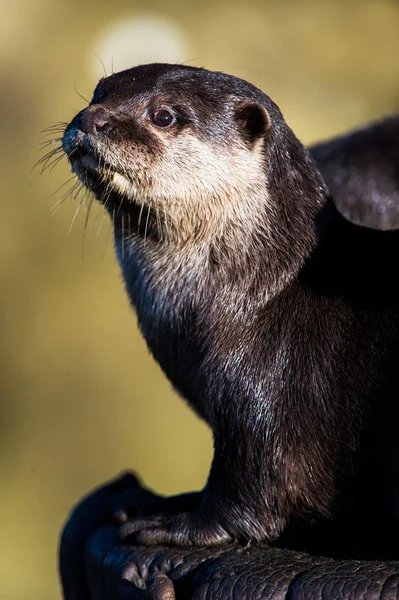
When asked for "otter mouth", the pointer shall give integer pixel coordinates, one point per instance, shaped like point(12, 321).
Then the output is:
point(90, 168)
point(87, 164)
point(107, 184)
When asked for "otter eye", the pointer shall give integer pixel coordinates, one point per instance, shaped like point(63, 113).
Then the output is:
point(163, 118)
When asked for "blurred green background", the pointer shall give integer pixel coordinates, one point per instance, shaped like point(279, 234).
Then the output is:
point(81, 399)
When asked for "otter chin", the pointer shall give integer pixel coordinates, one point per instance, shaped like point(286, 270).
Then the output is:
point(271, 314)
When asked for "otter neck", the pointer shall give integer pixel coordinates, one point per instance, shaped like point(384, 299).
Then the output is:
point(267, 250)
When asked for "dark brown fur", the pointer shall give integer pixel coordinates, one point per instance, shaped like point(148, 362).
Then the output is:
point(276, 318)
point(361, 170)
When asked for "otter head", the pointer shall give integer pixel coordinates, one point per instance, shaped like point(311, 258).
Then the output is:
point(184, 142)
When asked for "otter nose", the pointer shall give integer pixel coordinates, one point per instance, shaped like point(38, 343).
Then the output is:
point(94, 121)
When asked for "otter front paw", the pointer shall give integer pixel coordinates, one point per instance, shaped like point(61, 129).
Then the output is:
point(186, 529)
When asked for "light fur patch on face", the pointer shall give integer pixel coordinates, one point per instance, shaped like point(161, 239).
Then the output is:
point(202, 191)
point(123, 186)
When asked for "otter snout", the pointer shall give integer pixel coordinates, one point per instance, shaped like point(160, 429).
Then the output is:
point(94, 120)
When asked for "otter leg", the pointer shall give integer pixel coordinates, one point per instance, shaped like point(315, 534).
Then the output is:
point(228, 509)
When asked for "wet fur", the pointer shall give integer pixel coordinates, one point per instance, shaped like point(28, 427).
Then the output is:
point(275, 318)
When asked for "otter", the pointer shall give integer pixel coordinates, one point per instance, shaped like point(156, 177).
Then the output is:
point(274, 317)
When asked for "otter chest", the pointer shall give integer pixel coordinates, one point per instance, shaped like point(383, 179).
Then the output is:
point(163, 299)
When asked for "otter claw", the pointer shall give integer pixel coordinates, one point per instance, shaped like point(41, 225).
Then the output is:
point(132, 526)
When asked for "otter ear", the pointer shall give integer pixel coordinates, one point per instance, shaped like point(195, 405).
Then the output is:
point(253, 121)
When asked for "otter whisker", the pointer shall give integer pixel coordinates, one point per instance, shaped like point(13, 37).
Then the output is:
point(140, 215)
point(106, 241)
point(166, 223)
point(129, 225)
point(63, 124)
point(73, 188)
point(62, 185)
point(146, 224)
point(80, 95)
point(49, 136)
point(106, 173)
point(158, 224)
point(120, 205)
point(76, 214)
point(102, 64)
point(107, 194)
point(88, 210)
point(56, 206)
point(123, 235)
point(53, 164)
point(51, 142)
point(78, 191)
point(76, 186)
point(55, 128)
point(106, 179)
point(103, 215)
point(50, 162)
point(44, 160)
point(89, 206)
